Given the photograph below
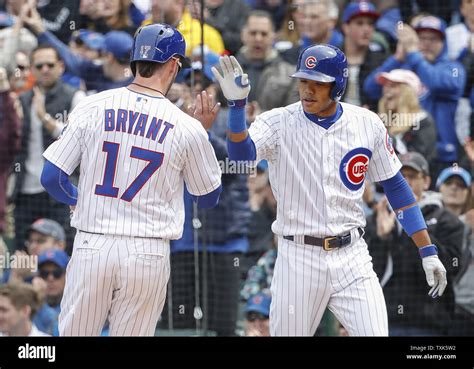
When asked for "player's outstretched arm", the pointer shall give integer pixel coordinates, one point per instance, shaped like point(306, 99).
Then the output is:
point(402, 200)
point(236, 87)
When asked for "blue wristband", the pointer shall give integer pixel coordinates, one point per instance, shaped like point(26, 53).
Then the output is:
point(428, 251)
point(236, 119)
point(411, 219)
point(237, 103)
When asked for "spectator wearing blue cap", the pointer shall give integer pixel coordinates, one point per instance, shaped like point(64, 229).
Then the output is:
point(87, 44)
point(257, 316)
point(112, 71)
point(454, 183)
point(423, 50)
point(52, 265)
point(363, 54)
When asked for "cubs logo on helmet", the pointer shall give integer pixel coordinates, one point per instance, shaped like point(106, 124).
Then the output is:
point(354, 166)
point(310, 62)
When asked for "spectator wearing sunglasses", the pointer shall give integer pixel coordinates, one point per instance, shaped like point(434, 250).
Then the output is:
point(45, 110)
point(257, 315)
point(52, 265)
point(112, 70)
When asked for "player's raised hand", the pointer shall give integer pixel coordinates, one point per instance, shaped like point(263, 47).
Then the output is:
point(233, 81)
point(205, 110)
point(435, 275)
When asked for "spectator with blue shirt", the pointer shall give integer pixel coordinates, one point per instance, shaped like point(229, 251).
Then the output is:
point(52, 265)
point(112, 71)
point(423, 50)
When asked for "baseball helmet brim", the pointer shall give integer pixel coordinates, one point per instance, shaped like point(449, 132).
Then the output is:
point(314, 76)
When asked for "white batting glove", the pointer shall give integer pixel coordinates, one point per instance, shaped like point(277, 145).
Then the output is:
point(435, 275)
point(234, 82)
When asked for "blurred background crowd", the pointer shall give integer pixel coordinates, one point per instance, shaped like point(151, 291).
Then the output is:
point(410, 61)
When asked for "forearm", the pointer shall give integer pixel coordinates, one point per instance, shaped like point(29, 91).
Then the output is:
point(239, 144)
point(402, 200)
point(72, 61)
point(56, 182)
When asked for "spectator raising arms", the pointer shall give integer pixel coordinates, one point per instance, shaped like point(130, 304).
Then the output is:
point(112, 71)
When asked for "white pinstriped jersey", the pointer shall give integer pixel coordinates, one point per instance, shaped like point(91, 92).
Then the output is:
point(134, 151)
point(318, 175)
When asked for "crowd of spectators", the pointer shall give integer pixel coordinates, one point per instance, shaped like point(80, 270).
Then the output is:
point(410, 61)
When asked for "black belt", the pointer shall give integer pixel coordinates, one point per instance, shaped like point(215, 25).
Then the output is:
point(327, 243)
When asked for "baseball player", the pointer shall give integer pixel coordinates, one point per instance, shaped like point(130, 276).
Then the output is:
point(320, 152)
point(136, 150)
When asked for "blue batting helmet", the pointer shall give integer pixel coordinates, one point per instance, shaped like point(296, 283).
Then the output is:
point(324, 63)
point(158, 43)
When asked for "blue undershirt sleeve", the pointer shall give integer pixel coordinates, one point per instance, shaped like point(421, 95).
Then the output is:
point(209, 200)
point(56, 182)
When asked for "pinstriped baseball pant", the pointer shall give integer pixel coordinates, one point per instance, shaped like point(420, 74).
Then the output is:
point(307, 279)
point(115, 278)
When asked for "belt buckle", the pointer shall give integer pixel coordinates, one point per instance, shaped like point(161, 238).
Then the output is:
point(326, 241)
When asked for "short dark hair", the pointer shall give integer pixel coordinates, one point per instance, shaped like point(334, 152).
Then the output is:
point(146, 69)
point(260, 14)
point(44, 47)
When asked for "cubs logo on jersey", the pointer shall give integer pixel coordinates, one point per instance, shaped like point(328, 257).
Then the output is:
point(389, 143)
point(354, 166)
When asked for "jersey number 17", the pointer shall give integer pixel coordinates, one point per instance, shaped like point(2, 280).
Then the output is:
point(154, 159)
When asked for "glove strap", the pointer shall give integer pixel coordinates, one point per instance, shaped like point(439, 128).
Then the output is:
point(237, 103)
point(429, 250)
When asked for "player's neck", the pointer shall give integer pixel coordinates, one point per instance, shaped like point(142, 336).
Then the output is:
point(147, 86)
point(329, 111)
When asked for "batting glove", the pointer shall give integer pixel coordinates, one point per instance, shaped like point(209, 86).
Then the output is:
point(434, 270)
point(234, 82)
